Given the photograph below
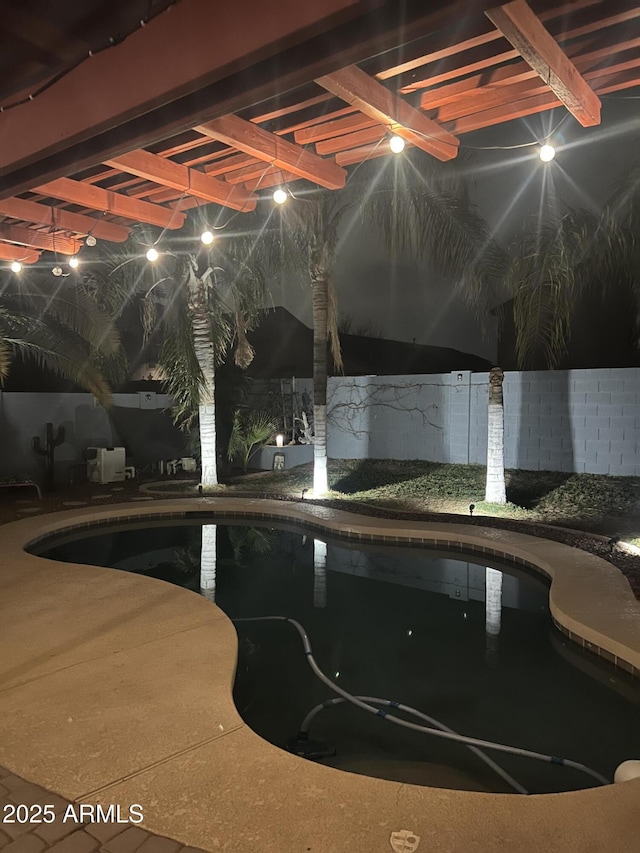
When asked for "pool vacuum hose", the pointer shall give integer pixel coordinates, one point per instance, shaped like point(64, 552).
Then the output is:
point(437, 729)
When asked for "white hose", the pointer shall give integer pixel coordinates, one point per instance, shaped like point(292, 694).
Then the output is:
point(447, 735)
point(372, 700)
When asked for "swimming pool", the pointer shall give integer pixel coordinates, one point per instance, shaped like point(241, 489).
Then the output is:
point(400, 624)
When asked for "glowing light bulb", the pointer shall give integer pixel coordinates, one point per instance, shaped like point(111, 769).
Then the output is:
point(74, 263)
point(547, 153)
point(16, 266)
point(152, 255)
point(396, 144)
point(207, 237)
point(280, 196)
point(91, 240)
point(57, 271)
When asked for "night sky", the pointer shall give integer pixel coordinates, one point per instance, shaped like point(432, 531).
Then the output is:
point(405, 300)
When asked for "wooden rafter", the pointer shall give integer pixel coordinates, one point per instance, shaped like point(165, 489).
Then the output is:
point(160, 170)
point(541, 51)
point(51, 242)
point(335, 127)
point(96, 198)
point(352, 85)
point(270, 148)
point(501, 78)
point(43, 214)
point(11, 252)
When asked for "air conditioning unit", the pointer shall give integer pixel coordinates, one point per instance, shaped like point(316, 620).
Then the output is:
point(105, 464)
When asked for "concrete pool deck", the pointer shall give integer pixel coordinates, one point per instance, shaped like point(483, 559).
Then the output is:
point(116, 688)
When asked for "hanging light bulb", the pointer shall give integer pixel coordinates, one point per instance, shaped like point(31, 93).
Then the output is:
point(207, 237)
point(74, 263)
point(152, 255)
point(57, 271)
point(16, 266)
point(547, 153)
point(280, 196)
point(396, 144)
point(91, 240)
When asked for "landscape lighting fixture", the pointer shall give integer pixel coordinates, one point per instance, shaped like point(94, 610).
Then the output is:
point(152, 255)
point(396, 144)
point(207, 237)
point(547, 153)
point(280, 196)
point(74, 263)
point(16, 266)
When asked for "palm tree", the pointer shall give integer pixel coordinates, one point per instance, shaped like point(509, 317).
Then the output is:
point(61, 328)
point(199, 307)
point(425, 211)
point(559, 261)
point(495, 491)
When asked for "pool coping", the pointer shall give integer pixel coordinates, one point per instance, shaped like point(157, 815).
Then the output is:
point(589, 598)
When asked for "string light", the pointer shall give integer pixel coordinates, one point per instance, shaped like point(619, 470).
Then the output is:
point(16, 266)
point(74, 263)
point(396, 144)
point(207, 237)
point(280, 196)
point(547, 153)
point(57, 271)
point(152, 255)
point(91, 240)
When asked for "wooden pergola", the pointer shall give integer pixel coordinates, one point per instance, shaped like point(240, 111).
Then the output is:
point(130, 111)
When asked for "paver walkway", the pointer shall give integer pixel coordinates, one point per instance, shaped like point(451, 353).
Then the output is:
point(67, 836)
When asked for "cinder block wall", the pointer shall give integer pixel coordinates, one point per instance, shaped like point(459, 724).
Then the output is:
point(574, 420)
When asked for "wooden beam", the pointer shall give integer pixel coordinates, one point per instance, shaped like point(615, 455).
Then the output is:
point(131, 88)
point(607, 81)
point(51, 242)
point(352, 85)
point(43, 214)
point(336, 127)
point(541, 51)
point(152, 167)
point(273, 178)
point(375, 134)
point(503, 78)
point(10, 252)
point(269, 148)
point(95, 198)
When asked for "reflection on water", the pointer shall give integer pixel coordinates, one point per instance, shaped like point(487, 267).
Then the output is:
point(408, 625)
point(493, 612)
point(319, 573)
point(208, 561)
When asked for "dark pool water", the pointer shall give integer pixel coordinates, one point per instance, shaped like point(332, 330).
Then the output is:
point(410, 625)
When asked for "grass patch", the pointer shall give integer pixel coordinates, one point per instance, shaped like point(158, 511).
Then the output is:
point(587, 501)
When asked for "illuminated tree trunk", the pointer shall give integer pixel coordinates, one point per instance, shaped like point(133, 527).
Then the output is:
point(495, 488)
point(203, 346)
point(208, 561)
point(318, 267)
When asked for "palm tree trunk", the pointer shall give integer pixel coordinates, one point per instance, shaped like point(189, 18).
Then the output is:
point(495, 491)
point(320, 284)
point(208, 562)
point(203, 346)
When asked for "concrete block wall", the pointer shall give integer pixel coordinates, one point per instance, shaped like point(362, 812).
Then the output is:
point(86, 424)
point(586, 421)
point(388, 417)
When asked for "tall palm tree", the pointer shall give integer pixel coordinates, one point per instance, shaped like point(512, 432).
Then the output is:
point(423, 210)
point(199, 306)
point(58, 324)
